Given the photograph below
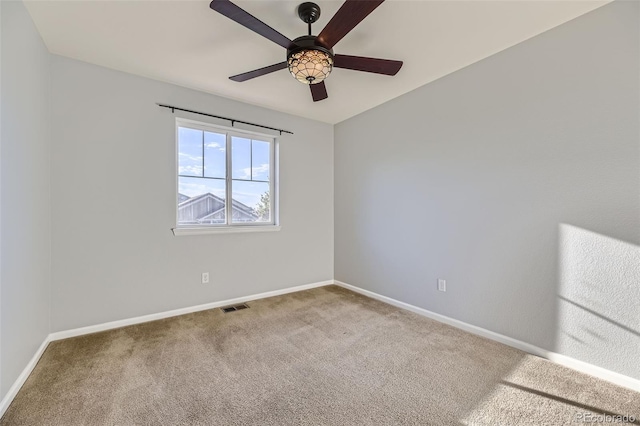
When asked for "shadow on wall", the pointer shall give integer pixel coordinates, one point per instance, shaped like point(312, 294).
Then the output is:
point(598, 295)
point(598, 322)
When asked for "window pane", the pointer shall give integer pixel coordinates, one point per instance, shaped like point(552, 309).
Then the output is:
point(201, 201)
point(260, 160)
point(215, 151)
point(241, 158)
point(189, 152)
point(251, 202)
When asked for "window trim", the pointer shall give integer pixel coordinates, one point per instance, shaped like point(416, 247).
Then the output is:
point(223, 229)
point(229, 227)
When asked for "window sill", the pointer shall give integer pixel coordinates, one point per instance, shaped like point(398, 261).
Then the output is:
point(223, 230)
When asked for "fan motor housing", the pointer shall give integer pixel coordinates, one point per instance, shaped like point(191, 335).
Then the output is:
point(307, 43)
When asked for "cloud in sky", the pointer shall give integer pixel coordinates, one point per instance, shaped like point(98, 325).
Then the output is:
point(190, 170)
point(259, 173)
point(185, 156)
point(214, 145)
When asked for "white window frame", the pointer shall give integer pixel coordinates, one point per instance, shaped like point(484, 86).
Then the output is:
point(229, 226)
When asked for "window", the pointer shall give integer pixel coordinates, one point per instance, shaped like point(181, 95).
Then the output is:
point(216, 164)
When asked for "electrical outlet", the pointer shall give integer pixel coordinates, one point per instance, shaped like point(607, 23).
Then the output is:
point(442, 285)
point(205, 278)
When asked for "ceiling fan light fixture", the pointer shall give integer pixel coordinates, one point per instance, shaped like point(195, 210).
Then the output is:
point(310, 58)
point(310, 66)
point(308, 62)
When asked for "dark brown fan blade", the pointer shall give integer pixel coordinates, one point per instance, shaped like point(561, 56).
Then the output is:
point(350, 14)
point(260, 71)
point(243, 18)
point(359, 63)
point(318, 91)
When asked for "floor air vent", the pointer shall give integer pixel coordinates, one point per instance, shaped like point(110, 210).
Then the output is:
point(235, 308)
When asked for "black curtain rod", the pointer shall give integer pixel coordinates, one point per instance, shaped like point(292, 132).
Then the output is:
point(232, 120)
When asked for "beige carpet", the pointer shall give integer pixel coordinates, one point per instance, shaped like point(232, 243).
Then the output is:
point(323, 356)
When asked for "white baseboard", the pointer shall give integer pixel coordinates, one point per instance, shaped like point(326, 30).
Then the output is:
point(575, 364)
point(173, 313)
point(13, 390)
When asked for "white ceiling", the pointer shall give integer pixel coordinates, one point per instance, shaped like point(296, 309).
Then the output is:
point(186, 43)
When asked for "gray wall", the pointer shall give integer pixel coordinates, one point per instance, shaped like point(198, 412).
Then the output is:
point(499, 178)
point(25, 192)
point(113, 203)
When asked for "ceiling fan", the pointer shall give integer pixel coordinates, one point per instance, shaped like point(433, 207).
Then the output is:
point(310, 58)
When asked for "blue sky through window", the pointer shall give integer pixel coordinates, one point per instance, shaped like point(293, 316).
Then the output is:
point(215, 155)
point(192, 187)
point(260, 160)
point(189, 152)
point(250, 161)
point(241, 158)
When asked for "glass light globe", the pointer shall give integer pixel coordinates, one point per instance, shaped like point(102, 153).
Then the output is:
point(310, 66)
